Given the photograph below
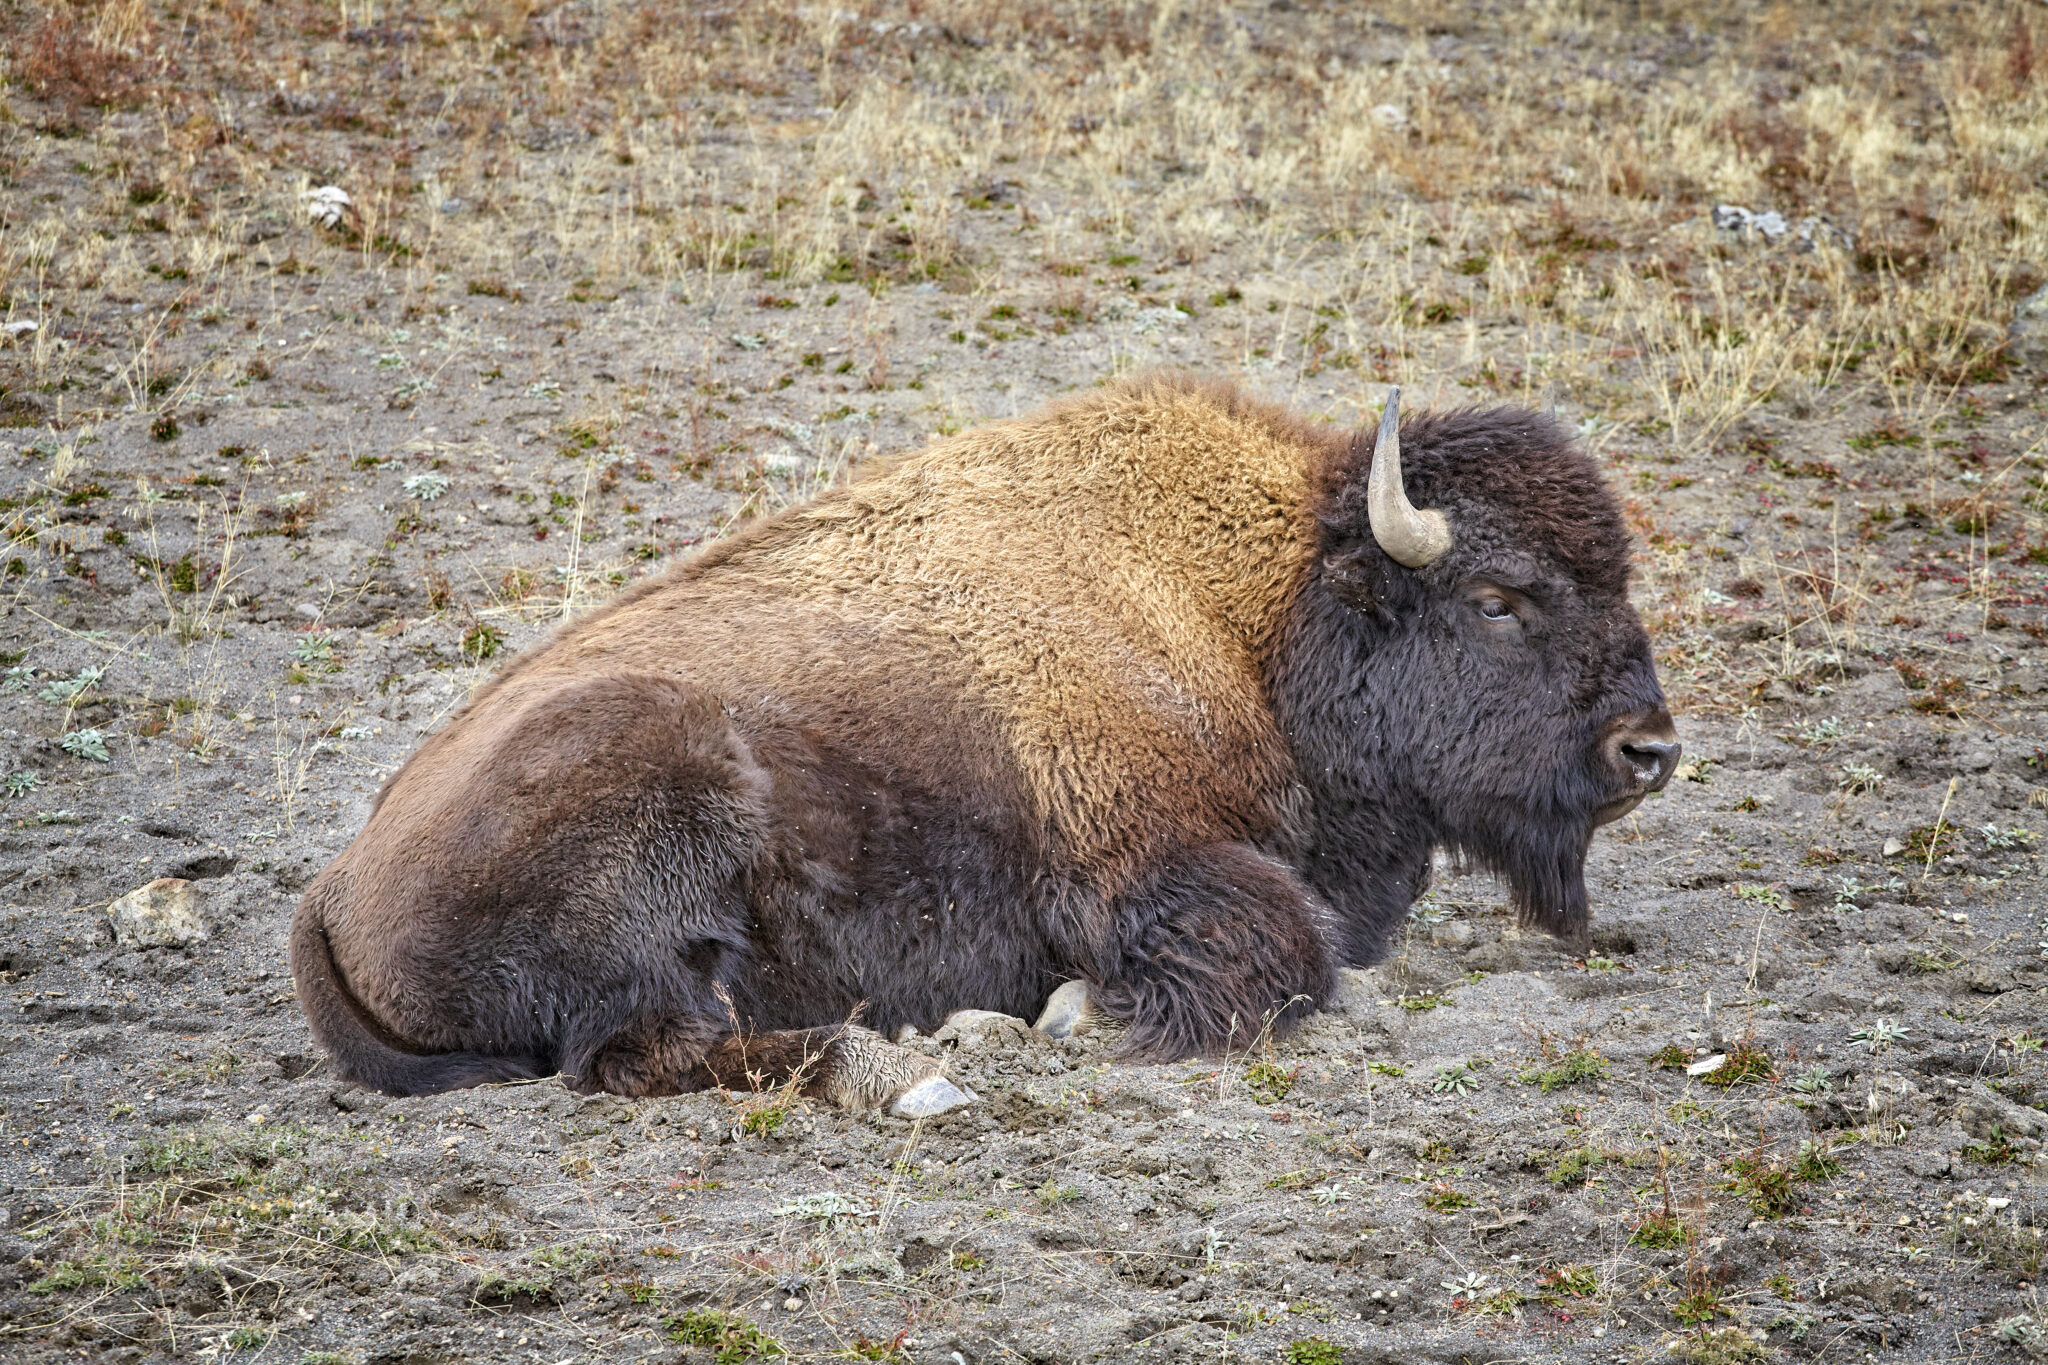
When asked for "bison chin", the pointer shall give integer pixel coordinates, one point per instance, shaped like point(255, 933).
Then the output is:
point(1545, 872)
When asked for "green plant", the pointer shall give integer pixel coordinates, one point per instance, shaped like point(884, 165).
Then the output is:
point(1455, 1079)
point(1816, 1162)
point(65, 691)
point(23, 781)
point(1659, 1232)
point(1877, 1037)
point(86, 744)
point(482, 641)
point(1671, 1057)
point(1051, 1194)
point(1466, 1286)
point(733, 1340)
point(426, 486)
point(1573, 1168)
point(1763, 1183)
point(1269, 1082)
point(1700, 1307)
point(1442, 1198)
point(1579, 1065)
point(1824, 731)
point(1314, 1351)
point(1996, 1149)
point(1729, 1346)
point(1746, 1063)
point(763, 1120)
point(1572, 1281)
point(313, 649)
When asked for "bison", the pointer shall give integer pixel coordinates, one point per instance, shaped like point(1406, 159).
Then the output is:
point(1161, 690)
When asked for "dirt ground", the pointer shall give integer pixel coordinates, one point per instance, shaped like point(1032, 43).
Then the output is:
point(614, 278)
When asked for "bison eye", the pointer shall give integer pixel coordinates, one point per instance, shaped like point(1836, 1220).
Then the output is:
point(1496, 609)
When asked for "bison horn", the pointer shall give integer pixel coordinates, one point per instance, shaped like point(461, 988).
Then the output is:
point(1409, 535)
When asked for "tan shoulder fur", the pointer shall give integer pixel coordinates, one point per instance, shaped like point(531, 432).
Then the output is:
point(1100, 581)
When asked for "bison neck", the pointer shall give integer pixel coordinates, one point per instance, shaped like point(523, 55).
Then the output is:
point(1368, 832)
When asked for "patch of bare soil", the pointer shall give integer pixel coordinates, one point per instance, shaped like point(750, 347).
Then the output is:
point(615, 278)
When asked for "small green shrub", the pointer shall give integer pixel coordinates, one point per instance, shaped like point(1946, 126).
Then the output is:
point(1314, 1351)
point(1746, 1063)
point(1571, 1069)
point(1659, 1232)
point(1763, 1183)
point(732, 1339)
point(1269, 1082)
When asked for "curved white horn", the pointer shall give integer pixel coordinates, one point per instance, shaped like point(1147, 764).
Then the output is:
point(1410, 536)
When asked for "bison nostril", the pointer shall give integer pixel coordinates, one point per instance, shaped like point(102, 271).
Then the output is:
point(1652, 760)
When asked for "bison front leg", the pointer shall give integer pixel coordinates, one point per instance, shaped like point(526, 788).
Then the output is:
point(849, 1066)
point(1209, 950)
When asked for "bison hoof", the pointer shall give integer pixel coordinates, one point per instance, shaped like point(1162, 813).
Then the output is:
point(1068, 1014)
point(930, 1097)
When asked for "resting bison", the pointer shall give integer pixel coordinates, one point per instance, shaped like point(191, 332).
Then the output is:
point(1160, 689)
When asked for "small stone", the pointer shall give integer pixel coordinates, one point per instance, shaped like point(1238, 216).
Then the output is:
point(1707, 1066)
point(1498, 956)
point(930, 1097)
point(1894, 846)
point(1451, 934)
point(163, 914)
point(1068, 1013)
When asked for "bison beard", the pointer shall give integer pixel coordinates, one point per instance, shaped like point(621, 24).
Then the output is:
point(1130, 691)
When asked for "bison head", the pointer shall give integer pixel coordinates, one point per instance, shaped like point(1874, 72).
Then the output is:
point(1465, 671)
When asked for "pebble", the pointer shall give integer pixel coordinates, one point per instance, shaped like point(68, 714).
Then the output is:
point(163, 914)
point(929, 1098)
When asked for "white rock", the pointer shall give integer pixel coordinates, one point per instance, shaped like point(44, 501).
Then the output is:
point(930, 1097)
point(1068, 1013)
point(328, 205)
point(163, 914)
point(1707, 1066)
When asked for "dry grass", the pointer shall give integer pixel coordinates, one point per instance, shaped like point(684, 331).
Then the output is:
point(1823, 449)
point(1514, 209)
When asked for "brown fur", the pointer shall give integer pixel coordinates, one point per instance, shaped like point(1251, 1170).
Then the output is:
point(997, 717)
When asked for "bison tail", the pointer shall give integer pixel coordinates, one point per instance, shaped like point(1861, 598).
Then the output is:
point(363, 1050)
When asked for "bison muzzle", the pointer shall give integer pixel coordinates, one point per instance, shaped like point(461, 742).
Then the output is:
point(1160, 690)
